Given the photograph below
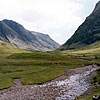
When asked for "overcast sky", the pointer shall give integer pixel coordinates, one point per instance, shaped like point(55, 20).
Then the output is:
point(58, 18)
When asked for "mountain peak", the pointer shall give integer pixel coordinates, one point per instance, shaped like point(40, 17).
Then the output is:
point(97, 7)
point(6, 20)
point(10, 22)
point(88, 32)
point(16, 35)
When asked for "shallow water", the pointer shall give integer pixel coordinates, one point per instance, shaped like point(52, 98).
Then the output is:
point(73, 87)
point(67, 89)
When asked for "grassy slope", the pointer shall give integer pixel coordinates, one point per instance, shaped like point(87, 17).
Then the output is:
point(94, 48)
point(6, 49)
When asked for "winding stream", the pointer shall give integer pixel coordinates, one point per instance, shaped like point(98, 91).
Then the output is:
point(66, 89)
point(73, 87)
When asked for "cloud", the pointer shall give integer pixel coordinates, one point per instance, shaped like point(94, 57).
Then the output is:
point(58, 18)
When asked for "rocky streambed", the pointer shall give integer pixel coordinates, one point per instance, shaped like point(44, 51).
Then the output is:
point(67, 87)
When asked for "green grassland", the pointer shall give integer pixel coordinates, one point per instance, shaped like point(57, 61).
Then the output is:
point(39, 67)
point(35, 67)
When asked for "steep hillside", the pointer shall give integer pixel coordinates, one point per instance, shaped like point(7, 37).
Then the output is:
point(45, 41)
point(88, 33)
point(16, 35)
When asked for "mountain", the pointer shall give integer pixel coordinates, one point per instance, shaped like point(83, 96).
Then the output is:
point(87, 34)
point(16, 35)
point(45, 41)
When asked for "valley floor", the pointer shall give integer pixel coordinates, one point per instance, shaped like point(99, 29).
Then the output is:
point(73, 84)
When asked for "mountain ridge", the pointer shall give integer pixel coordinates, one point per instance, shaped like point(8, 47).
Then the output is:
point(15, 34)
point(87, 33)
point(97, 7)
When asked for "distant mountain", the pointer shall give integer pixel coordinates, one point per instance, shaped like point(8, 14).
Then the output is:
point(87, 34)
point(16, 35)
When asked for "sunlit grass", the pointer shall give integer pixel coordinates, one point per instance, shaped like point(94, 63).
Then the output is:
point(36, 67)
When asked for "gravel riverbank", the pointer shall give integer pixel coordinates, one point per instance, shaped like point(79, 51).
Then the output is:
point(66, 87)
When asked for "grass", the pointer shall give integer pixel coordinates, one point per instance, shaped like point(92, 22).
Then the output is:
point(6, 49)
point(35, 67)
point(39, 67)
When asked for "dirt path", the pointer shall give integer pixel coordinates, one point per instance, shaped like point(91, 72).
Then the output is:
point(67, 87)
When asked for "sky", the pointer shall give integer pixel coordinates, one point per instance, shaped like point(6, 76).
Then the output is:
point(57, 18)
